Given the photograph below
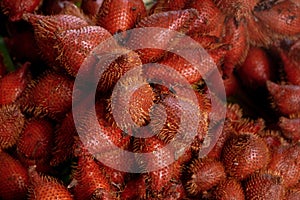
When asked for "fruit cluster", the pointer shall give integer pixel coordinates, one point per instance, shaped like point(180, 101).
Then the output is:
point(55, 146)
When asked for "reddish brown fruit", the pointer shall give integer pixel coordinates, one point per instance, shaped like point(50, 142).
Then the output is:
point(290, 128)
point(50, 95)
point(63, 140)
point(167, 5)
point(229, 189)
point(264, 186)
point(244, 154)
point(236, 35)
point(291, 68)
point(15, 9)
point(43, 187)
point(236, 8)
point(175, 62)
point(166, 117)
point(157, 161)
point(217, 149)
point(11, 125)
point(91, 8)
point(13, 84)
point(14, 178)
point(286, 97)
point(273, 139)
point(173, 20)
point(46, 29)
point(210, 19)
point(285, 162)
point(120, 15)
point(53, 7)
point(90, 182)
point(256, 69)
point(204, 174)
point(283, 18)
point(293, 193)
point(115, 66)
point(36, 140)
point(134, 111)
point(66, 47)
point(135, 189)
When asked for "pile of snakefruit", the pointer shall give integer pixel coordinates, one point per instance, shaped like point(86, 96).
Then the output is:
point(252, 152)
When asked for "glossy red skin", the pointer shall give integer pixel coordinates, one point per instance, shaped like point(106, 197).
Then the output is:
point(45, 187)
point(91, 7)
point(36, 140)
point(16, 8)
point(13, 84)
point(286, 98)
point(90, 180)
point(291, 67)
point(256, 69)
point(14, 178)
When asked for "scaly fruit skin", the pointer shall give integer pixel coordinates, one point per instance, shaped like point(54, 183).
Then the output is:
point(290, 127)
point(35, 141)
point(13, 84)
point(156, 160)
point(90, 181)
point(174, 20)
point(244, 154)
point(229, 189)
point(71, 53)
point(16, 8)
point(210, 20)
point(285, 162)
point(11, 125)
point(237, 36)
point(50, 95)
point(120, 15)
point(264, 185)
point(139, 104)
point(14, 178)
point(203, 175)
point(291, 67)
point(46, 29)
point(46, 187)
point(283, 18)
point(286, 98)
point(135, 189)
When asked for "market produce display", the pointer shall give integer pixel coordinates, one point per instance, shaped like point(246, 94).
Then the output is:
point(165, 99)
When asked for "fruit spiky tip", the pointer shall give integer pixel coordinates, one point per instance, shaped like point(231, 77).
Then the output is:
point(46, 187)
point(204, 174)
point(11, 125)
